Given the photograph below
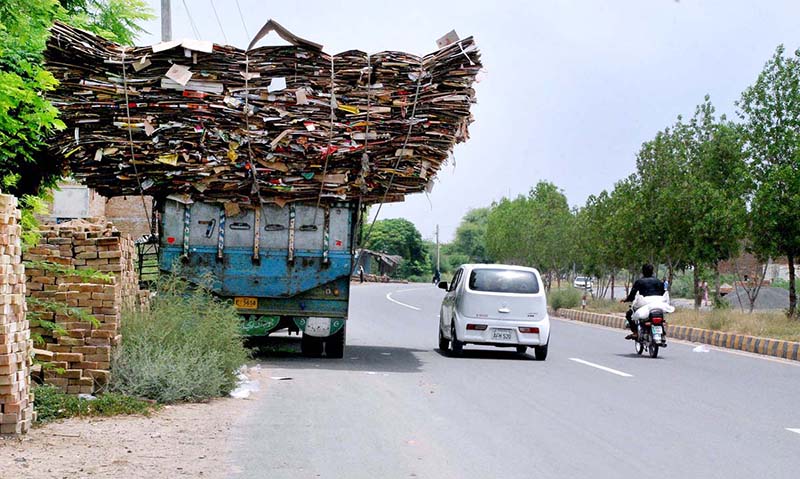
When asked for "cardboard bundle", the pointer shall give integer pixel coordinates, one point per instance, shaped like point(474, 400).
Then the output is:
point(217, 122)
point(80, 349)
point(16, 400)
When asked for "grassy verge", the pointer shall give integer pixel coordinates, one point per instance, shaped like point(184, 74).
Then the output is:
point(766, 325)
point(187, 347)
point(52, 404)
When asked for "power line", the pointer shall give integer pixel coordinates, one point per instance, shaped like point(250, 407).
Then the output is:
point(191, 20)
point(214, 7)
point(244, 24)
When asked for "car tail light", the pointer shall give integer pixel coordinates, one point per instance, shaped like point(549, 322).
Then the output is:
point(529, 330)
point(476, 327)
point(658, 320)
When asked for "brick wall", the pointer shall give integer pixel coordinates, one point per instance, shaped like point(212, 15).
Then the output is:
point(129, 215)
point(16, 400)
point(79, 348)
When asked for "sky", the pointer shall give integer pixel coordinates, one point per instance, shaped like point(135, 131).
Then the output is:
point(571, 88)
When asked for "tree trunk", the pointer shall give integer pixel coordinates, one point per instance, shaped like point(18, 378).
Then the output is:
point(717, 297)
point(612, 286)
point(696, 281)
point(792, 291)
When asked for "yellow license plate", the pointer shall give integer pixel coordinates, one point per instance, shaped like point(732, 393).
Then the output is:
point(245, 302)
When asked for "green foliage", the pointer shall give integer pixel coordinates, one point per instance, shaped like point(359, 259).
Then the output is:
point(568, 298)
point(532, 230)
point(770, 109)
point(400, 237)
point(187, 347)
point(470, 240)
point(52, 404)
point(116, 20)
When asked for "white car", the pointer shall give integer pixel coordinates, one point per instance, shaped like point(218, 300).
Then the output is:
point(582, 282)
point(494, 305)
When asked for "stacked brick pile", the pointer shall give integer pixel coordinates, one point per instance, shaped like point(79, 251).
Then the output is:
point(82, 348)
point(16, 400)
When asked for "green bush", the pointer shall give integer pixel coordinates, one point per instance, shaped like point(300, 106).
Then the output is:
point(565, 298)
point(51, 404)
point(187, 347)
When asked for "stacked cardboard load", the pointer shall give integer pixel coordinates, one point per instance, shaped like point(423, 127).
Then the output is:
point(273, 124)
point(16, 400)
point(87, 319)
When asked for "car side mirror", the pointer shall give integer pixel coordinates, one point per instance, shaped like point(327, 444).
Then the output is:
point(442, 284)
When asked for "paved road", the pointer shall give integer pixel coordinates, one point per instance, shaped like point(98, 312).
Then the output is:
point(397, 408)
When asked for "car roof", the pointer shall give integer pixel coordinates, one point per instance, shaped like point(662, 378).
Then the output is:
point(498, 266)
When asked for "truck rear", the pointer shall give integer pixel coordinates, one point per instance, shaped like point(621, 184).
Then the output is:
point(283, 267)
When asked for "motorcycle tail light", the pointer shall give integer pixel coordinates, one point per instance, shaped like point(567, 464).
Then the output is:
point(476, 327)
point(658, 320)
point(529, 330)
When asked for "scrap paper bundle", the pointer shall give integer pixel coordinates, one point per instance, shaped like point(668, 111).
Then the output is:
point(273, 124)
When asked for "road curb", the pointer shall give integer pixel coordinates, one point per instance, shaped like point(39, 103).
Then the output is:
point(752, 344)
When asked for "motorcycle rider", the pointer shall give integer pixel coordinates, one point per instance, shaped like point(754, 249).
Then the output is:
point(647, 285)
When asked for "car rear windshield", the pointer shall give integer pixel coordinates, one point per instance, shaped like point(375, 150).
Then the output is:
point(503, 281)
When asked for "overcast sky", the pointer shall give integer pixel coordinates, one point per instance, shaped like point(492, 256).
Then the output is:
point(572, 88)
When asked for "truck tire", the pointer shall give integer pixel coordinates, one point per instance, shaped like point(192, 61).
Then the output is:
point(334, 345)
point(310, 346)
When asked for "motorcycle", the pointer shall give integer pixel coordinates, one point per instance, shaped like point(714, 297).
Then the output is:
point(652, 333)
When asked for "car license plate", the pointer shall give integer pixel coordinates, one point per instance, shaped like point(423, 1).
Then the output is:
point(501, 334)
point(244, 302)
point(657, 330)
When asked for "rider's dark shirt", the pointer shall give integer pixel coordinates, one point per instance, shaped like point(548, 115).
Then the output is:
point(648, 286)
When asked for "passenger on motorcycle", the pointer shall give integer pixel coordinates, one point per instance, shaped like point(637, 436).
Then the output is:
point(647, 285)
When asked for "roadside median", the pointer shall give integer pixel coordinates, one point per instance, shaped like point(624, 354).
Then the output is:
point(769, 347)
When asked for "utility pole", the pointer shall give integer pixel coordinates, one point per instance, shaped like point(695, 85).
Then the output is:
point(166, 20)
point(437, 248)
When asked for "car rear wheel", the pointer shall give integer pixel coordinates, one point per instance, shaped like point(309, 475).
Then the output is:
point(456, 345)
point(522, 349)
point(541, 352)
point(444, 343)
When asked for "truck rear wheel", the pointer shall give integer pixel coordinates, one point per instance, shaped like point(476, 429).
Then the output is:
point(310, 346)
point(334, 345)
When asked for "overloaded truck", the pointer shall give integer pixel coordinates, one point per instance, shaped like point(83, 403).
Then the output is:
point(284, 267)
point(261, 160)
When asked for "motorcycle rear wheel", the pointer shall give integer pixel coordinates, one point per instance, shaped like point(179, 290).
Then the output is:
point(653, 350)
point(639, 347)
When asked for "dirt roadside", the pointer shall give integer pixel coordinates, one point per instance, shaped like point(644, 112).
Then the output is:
point(187, 440)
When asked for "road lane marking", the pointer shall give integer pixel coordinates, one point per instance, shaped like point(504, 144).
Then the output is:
point(389, 297)
point(736, 352)
point(792, 429)
point(608, 370)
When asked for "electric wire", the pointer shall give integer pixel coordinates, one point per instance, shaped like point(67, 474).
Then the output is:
point(219, 22)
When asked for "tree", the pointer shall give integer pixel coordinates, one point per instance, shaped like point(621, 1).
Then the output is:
point(400, 237)
point(532, 231)
point(470, 239)
point(26, 117)
point(770, 109)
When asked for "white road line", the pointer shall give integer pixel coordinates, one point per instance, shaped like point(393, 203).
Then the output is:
point(608, 370)
point(735, 352)
point(389, 297)
point(792, 429)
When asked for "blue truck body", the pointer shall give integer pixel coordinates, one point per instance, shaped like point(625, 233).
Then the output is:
point(283, 267)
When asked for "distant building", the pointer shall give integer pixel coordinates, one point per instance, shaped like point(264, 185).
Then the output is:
point(374, 262)
point(75, 201)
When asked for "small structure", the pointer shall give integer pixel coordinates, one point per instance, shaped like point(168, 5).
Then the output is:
point(376, 263)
